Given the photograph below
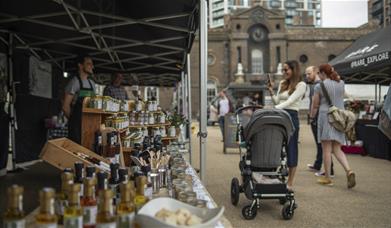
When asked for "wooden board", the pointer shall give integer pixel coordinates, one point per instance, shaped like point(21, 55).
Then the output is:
point(59, 153)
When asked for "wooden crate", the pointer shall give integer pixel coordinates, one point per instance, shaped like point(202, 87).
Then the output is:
point(60, 153)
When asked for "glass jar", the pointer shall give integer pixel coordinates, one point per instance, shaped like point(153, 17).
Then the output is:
point(151, 118)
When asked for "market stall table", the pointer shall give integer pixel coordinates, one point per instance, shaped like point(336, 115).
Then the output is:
point(198, 187)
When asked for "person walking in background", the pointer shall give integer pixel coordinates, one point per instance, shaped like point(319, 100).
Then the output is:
point(312, 75)
point(330, 137)
point(223, 108)
point(291, 91)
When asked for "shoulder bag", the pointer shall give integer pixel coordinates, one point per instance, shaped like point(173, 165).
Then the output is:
point(342, 120)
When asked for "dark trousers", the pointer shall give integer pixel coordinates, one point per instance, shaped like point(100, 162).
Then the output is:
point(319, 151)
point(293, 146)
point(221, 124)
point(4, 136)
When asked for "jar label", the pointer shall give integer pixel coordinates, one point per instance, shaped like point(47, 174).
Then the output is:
point(73, 222)
point(47, 225)
point(125, 221)
point(89, 215)
point(15, 224)
point(107, 225)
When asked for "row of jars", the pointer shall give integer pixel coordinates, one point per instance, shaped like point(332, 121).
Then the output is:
point(150, 106)
point(144, 118)
point(117, 122)
point(108, 104)
point(141, 133)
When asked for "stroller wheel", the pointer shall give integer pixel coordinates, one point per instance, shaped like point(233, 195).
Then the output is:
point(248, 212)
point(235, 190)
point(286, 211)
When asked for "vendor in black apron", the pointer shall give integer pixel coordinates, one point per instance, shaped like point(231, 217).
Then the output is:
point(77, 89)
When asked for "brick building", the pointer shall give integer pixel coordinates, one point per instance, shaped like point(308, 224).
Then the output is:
point(260, 40)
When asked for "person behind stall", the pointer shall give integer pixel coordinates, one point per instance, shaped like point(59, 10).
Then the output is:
point(291, 91)
point(115, 89)
point(312, 75)
point(330, 137)
point(77, 89)
point(223, 108)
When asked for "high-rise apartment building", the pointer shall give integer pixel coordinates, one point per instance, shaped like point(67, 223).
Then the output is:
point(380, 10)
point(297, 12)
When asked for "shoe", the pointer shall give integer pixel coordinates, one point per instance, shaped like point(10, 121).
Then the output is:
point(351, 179)
point(321, 174)
point(325, 181)
point(312, 168)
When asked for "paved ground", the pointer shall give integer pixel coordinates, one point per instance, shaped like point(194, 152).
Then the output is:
point(367, 205)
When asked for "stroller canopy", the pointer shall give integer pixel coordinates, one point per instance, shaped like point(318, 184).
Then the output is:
point(264, 117)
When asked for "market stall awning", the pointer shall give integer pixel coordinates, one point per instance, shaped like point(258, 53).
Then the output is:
point(367, 60)
point(148, 40)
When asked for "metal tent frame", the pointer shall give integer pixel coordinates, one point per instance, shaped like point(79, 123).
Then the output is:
point(148, 41)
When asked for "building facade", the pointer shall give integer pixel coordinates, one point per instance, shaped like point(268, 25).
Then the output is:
point(259, 39)
point(297, 12)
point(380, 10)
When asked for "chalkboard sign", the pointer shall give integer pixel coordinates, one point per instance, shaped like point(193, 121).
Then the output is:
point(231, 129)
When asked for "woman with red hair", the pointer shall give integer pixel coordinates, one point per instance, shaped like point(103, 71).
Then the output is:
point(330, 138)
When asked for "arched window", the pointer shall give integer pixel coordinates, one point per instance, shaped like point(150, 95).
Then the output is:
point(257, 61)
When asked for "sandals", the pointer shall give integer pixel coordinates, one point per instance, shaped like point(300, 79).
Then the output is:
point(351, 179)
point(325, 181)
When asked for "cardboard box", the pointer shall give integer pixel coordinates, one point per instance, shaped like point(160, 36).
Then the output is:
point(63, 153)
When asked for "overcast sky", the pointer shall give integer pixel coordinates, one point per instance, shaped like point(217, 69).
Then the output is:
point(344, 13)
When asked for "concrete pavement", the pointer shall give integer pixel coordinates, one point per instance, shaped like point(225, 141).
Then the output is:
point(366, 205)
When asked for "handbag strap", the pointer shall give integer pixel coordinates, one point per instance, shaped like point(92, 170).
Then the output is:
point(326, 94)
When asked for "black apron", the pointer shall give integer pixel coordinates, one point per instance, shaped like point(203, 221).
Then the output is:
point(74, 124)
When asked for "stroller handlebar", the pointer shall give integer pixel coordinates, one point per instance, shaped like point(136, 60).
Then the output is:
point(239, 110)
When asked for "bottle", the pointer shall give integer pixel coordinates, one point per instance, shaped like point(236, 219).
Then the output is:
point(110, 148)
point(140, 199)
point(73, 214)
point(114, 181)
point(61, 198)
point(90, 171)
point(89, 203)
point(14, 215)
point(126, 209)
point(105, 217)
point(79, 175)
point(98, 143)
point(102, 182)
point(46, 218)
point(123, 175)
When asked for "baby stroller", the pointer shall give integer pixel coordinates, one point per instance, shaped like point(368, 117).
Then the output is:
point(263, 165)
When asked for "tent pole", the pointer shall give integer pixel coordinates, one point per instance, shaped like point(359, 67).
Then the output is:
point(203, 83)
point(189, 106)
point(376, 94)
point(12, 99)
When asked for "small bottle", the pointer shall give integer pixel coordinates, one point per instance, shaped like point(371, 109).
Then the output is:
point(114, 181)
point(105, 217)
point(46, 216)
point(73, 214)
point(90, 171)
point(14, 215)
point(123, 175)
point(61, 198)
point(102, 182)
point(140, 199)
point(89, 203)
point(79, 175)
point(98, 143)
point(126, 209)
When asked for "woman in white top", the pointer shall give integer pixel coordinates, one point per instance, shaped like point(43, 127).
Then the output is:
point(290, 92)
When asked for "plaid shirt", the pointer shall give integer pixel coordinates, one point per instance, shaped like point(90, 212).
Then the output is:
point(115, 92)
